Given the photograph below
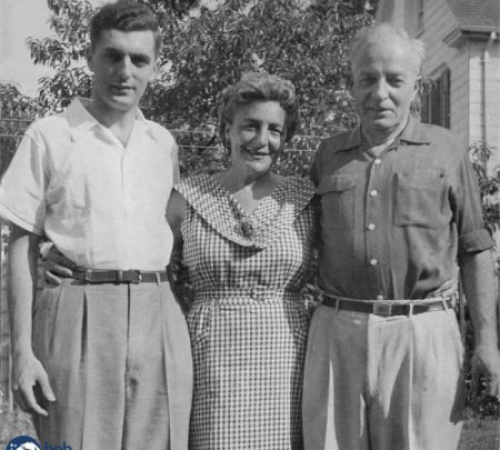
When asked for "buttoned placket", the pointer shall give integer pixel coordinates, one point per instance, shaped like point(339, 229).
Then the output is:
point(125, 161)
point(128, 170)
point(372, 224)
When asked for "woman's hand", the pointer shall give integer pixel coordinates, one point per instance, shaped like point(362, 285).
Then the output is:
point(449, 289)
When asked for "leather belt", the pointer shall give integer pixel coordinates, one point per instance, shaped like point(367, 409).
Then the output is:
point(384, 307)
point(119, 276)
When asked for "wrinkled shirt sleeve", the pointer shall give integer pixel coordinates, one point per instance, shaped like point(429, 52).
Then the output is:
point(467, 212)
point(22, 190)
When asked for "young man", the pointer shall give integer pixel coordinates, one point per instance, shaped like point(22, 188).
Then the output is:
point(399, 208)
point(102, 360)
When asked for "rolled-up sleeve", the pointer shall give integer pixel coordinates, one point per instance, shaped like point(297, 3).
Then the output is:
point(467, 210)
point(22, 190)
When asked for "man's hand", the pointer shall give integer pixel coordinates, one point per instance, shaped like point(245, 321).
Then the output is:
point(480, 286)
point(31, 385)
point(486, 364)
point(56, 265)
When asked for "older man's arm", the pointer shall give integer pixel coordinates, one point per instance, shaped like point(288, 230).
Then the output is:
point(27, 372)
point(480, 286)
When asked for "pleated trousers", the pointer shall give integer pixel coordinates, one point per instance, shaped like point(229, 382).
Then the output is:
point(119, 361)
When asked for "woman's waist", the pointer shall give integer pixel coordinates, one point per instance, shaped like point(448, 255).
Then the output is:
point(247, 294)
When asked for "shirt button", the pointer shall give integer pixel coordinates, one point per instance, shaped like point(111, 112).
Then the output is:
point(373, 262)
point(371, 226)
point(373, 193)
point(380, 297)
point(377, 161)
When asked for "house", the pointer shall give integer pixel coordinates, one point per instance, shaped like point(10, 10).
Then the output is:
point(462, 41)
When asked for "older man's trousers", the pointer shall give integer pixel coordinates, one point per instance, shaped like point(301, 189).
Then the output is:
point(383, 383)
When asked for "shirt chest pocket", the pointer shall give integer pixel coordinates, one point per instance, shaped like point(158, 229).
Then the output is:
point(337, 201)
point(421, 200)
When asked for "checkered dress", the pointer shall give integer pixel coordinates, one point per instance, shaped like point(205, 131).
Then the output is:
point(248, 325)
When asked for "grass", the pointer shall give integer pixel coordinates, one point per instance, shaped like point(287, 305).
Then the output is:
point(480, 434)
point(477, 434)
point(12, 424)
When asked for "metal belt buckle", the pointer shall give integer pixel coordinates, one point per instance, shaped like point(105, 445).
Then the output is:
point(139, 277)
point(88, 276)
point(382, 309)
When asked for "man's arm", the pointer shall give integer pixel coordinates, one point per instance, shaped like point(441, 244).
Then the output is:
point(27, 370)
point(480, 286)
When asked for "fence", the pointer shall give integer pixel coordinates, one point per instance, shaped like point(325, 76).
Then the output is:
point(199, 150)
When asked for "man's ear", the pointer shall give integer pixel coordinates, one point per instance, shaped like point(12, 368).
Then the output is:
point(417, 88)
point(88, 57)
point(156, 69)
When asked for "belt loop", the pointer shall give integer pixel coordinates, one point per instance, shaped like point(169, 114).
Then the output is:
point(337, 305)
point(88, 276)
point(444, 301)
point(410, 312)
point(157, 275)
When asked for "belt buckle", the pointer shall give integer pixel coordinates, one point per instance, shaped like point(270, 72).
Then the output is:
point(87, 276)
point(139, 277)
point(382, 309)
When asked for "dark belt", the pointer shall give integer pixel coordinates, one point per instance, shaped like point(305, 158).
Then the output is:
point(119, 276)
point(385, 308)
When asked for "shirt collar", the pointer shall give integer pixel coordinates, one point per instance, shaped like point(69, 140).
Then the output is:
point(414, 134)
point(348, 140)
point(80, 118)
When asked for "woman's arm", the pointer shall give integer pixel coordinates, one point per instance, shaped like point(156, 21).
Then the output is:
point(176, 211)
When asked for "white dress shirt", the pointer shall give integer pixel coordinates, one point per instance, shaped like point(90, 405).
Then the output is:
point(101, 204)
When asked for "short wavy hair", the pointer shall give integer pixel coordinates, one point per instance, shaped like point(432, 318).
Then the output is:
point(381, 32)
point(259, 87)
point(124, 16)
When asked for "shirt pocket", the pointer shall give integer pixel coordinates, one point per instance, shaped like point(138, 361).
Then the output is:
point(337, 201)
point(421, 200)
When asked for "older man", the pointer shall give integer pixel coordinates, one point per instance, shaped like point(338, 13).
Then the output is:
point(399, 209)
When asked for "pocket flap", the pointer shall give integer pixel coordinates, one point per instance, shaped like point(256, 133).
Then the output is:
point(424, 179)
point(336, 183)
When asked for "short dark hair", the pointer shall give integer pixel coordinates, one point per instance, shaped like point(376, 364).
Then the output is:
point(259, 87)
point(124, 16)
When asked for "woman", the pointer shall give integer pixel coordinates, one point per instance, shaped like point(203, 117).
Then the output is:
point(247, 239)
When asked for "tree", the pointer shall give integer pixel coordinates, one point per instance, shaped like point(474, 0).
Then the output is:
point(207, 48)
point(489, 184)
point(16, 111)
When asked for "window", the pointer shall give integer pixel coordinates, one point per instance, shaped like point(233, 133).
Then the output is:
point(435, 107)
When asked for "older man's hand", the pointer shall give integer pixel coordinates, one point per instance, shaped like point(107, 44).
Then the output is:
point(486, 364)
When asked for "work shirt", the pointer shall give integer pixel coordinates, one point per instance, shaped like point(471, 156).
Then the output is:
point(101, 204)
point(392, 226)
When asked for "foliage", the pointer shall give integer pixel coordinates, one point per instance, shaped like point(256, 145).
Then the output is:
point(66, 53)
point(206, 48)
point(16, 111)
point(13, 422)
point(489, 184)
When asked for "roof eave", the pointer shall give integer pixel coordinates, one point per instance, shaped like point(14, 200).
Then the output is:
point(482, 32)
